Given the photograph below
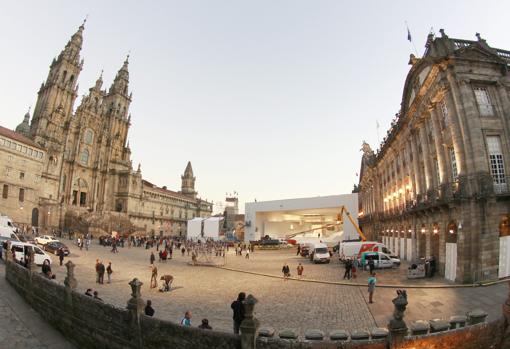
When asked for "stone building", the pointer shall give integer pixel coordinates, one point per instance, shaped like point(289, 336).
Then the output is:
point(87, 175)
point(438, 186)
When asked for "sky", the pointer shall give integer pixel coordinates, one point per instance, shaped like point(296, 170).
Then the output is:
point(270, 98)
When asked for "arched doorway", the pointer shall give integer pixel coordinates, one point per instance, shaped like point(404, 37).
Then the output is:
point(35, 217)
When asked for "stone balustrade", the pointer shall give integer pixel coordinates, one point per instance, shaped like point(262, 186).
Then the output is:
point(89, 323)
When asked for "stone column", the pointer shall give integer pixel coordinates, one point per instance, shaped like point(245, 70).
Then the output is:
point(250, 325)
point(438, 143)
point(416, 169)
point(135, 307)
point(424, 138)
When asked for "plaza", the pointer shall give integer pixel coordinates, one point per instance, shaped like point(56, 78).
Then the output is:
point(208, 291)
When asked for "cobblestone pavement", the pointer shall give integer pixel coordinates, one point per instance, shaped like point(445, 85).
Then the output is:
point(20, 326)
point(208, 291)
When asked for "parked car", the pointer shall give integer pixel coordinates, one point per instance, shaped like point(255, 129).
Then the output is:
point(44, 239)
point(54, 246)
point(381, 260)
point(21, 250)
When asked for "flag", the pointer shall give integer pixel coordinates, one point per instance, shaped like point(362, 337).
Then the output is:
point(409, 35)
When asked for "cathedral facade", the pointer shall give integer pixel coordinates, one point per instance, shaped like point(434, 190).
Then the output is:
point(87, 178)
point(438, 185)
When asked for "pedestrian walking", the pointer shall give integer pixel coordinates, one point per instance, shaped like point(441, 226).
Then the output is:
point(149, 310)
point(61, 255)
point(87, 244)
point(109, 271)
point(300, 269)
point(247, 256)
point(298, 250)
point(371, 287)
point(153, 258)
point(238, 311)
point(154, 276)
point(371, 266)
point(348, 266)
point(183, 250)
point(186, 320)
point(286, 272)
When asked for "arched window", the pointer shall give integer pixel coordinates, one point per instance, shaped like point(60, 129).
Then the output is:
point(89, 136)
point(64, 76)
point(71, 79)
point(84, 158)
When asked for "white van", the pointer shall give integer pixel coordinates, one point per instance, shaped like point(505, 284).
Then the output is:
point(22, 248)
point(319, 253)
point(354, 249)
point(381, 260)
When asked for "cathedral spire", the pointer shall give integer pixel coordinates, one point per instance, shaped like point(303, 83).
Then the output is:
point(73, 47)
point(121, 81)
point(188, 181)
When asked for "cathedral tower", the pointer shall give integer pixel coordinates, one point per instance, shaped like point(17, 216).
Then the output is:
point(57, 95)
point(188, 182)
point(117, 103)
point(24, 127)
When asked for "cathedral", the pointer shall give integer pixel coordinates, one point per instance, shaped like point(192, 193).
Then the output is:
point(86, 180)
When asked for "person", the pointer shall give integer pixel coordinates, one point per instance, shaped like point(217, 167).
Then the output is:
point(96, 296)
point(61, 255)
point(167, 283)
point(88, 292)
point(149, 310)
point(371, 266)
point(300, 269)
point(286, 272)
point(183, 250)
point(109, 271)
point(79, 243)
point(205, 325)
point(348, 266)
point(1, 251)
point(298, 250)
point(101, 269)
point(87, 244)
point(152, 258)
point(46, 268)
point(238, 311)
point(154, 276)
point(354, 268)
point(97, 271)
point(247, 254)
point(371, 287)
point(186, 320)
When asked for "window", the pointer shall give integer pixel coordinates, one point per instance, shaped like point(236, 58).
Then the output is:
point(21, 175)
point(75, 197)
point(497, 166)
point(30, 151)
point(484, 101)
point(438, 175)
point(2, 141)
point(21, 195)
point(83, 199)
point(453, 161)
point(444, 114)
point(89, 137)
point(24, 149)
point(84, 159)
point(5, 191)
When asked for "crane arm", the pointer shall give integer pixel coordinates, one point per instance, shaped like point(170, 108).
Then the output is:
point(348, 214)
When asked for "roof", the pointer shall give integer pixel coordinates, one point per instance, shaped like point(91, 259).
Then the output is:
point(166, 191)
point(18, 137)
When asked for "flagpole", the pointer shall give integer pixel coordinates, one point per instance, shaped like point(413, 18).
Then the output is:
point(411, 39)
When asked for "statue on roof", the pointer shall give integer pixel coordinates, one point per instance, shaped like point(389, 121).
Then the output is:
point(367, 150)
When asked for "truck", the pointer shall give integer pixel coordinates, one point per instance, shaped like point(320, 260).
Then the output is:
point(356, 248)
point(319, 253)
point(7, 228)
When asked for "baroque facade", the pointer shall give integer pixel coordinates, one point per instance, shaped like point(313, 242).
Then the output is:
point(86, 175)
point(438, 185)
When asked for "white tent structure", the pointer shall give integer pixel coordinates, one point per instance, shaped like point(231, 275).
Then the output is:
point(212, 227)
point(194, 228)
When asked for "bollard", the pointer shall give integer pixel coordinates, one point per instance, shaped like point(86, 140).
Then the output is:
point(287, 333)
point(339, 335)
point(266, 332)
point(419, 327)
point(314, 335)
point(439, 325)
point(458, 321)
point(476, 316)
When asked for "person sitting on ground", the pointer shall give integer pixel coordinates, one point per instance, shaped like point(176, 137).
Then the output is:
point(46, 269)
point(88, 292)
point(96, 296)
point(205, 325)
point(149, 310)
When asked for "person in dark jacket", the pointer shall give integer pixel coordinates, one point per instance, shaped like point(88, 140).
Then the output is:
point(101, 270)
point(149, 310)
point(238, 311)
point(61, 255)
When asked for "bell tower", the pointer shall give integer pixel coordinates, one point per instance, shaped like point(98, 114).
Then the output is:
point(188, 182)
point(57, 94)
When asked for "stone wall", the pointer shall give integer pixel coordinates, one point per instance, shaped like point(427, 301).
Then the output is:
point(89, 323)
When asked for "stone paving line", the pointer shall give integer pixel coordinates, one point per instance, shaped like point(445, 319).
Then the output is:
point(21, 327)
